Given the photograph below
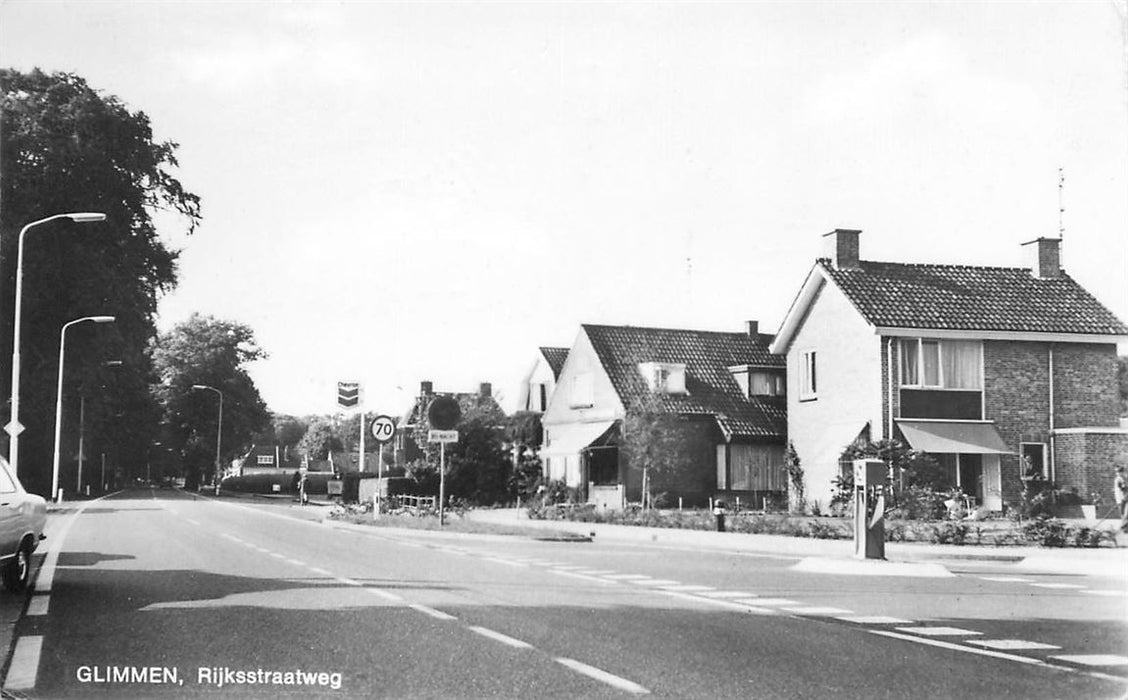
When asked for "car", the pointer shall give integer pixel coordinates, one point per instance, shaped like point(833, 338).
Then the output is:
point(23, 516)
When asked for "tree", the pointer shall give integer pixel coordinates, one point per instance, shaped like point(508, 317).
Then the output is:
point(652, 442)
point(524, 434)
point(320, 439)
point(208, 352)
point(64, 147)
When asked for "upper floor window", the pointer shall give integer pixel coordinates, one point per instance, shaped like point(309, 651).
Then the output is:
point(582, 394)
point(758, 382)
point(808, 375)
point(664, 377)
point(942, 364)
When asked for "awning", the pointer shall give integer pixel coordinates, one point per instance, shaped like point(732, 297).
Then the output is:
point(570, 438)
point(950, 437)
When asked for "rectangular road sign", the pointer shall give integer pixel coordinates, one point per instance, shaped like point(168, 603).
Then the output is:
point(348, 394)
point(442, 436)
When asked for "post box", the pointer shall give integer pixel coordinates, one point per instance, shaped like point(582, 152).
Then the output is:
point(869, 508)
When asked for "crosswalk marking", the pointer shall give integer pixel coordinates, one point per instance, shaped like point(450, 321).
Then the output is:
point(1010, 644)
point(1094, 659)
point(938, 631)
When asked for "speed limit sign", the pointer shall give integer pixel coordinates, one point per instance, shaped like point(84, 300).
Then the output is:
point(383, 428)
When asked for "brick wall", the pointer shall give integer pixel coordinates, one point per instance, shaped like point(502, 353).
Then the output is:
point(1017, 398)
point(1086, 460)
point(1085, 388)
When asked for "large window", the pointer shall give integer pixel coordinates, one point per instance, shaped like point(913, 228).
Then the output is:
point(942, 364)
point(808, 376)
point(582, 395)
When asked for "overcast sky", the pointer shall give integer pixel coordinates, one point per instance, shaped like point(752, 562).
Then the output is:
point(404, 192)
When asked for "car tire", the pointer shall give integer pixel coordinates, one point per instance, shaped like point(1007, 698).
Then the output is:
point(17, 571)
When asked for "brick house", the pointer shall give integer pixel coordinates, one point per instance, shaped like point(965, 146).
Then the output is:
point(726, 388)
point(1000, 373)
point(404, 447)
point(540, 381)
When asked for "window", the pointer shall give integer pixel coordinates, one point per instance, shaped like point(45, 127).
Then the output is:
point(1033, 462)
point(582, 396)
point(941, 364)
point(808, 376)
point(266, 459)
point(765, 384)
point(664, 377)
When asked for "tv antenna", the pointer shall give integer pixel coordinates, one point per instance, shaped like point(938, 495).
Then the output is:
point(1061, 203)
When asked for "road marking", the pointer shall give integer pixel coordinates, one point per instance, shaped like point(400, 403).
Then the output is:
point(727, 594)
point(295, 562)
point(938, 631)
point(38, 604)
point(1057, 585)
point(569, 568)
point(1094, 659)
point(876, 620)
point(317, 570)
point(1108, 593)
point(604, 677)
point(596, 572)
point(1010, 644)
point(626, 577)
point(1007, 579)
point(437, 614)
point(507, 562)
point(654, 582)
point(776, 601)
point(24, 668)
point(385, 595)
point(193, 522)
point(350, 582)
point(276, 555)
point(499, 637)
point(688, 589)
point(816, 610)
point(584, 577)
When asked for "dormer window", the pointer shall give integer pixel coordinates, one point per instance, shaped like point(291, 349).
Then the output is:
point(754, 381)
point(664, 377)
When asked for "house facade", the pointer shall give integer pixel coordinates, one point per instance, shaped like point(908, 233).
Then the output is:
point(539, 383)
point(725, 390)
point(1001, 374)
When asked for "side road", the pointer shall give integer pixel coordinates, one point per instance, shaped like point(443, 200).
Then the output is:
point(1105, 561)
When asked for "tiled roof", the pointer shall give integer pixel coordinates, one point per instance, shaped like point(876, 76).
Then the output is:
point(707, 355)
point(954, 297)
point(555, 358)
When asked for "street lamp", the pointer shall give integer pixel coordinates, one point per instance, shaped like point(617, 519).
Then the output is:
point(219, 426)
point(14, 428)
point(59, 395)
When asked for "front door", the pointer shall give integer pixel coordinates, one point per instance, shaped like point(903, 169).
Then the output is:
point(992, 484)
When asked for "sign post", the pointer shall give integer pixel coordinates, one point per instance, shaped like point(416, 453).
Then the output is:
point(383, 430)
point(443, 415)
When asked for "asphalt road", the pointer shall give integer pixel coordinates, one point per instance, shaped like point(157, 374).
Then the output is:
point(157, 593)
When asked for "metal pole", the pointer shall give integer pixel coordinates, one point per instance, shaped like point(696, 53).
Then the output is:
point(218, 437)
point(379, 476)
point(360, 459)
point(81, 436)
point(442, 481)
point(103, 490)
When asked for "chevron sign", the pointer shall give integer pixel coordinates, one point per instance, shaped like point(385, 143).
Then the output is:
point(348, 394)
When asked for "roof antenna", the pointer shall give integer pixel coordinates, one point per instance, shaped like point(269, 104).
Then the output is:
point(1061, 214)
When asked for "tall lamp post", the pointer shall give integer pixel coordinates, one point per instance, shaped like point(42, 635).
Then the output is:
point(14, 428)
point(59, 395)
point(219, 425)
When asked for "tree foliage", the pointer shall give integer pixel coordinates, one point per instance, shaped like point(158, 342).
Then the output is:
point(208, 352)
point(320, 439)
point(651, 441)
point(65, 147)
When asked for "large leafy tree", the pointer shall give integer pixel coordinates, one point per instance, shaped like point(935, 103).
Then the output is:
point(205, 351)
point(65, 147)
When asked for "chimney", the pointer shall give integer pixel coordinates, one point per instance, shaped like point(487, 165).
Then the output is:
point(842, 247)
point(752, 328)
point(426, 388)
point(485, 389)
point(1044, 257)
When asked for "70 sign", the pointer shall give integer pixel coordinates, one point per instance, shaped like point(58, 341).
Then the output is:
point(383, 429)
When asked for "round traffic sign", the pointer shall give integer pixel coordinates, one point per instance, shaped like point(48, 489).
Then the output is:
point(443, 413)
point(383, 428)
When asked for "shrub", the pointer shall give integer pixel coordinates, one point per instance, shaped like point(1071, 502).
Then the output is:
point(1047, 532)
point(951, 533)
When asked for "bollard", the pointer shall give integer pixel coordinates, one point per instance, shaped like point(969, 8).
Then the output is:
point(719, 514)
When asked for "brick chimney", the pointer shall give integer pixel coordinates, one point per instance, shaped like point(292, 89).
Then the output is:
point(485, 389)
point(426, 388)
point(1044, 257)
point(842, 247)
point(752, 328)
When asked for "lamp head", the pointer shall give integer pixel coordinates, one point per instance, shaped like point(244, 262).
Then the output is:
point(85, 217)
point(103, 319)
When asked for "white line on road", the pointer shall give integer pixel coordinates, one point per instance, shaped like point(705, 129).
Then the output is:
point(385, 595)
point(507, 562)
point(1007, 579)
point(1057, 585)
point(499, 637)
point(938, 631)
point(437, 614)
point(38, 604)
point(688, 588)
point(317, 570)
point(604, 677)
point(726, 594)
point(656, 582)
point(626, 577)
point(24, 668)
point(584, 577)
point(1094, 659)
point(1010, 644)
point(876, 620)
point(994, 654)
point(818, 611)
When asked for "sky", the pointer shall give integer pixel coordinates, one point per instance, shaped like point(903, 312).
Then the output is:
point(399, 192)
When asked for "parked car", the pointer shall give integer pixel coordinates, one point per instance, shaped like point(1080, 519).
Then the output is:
point(22, 518)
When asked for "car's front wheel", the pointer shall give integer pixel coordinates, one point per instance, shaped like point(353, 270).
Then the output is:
point(18, 569)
